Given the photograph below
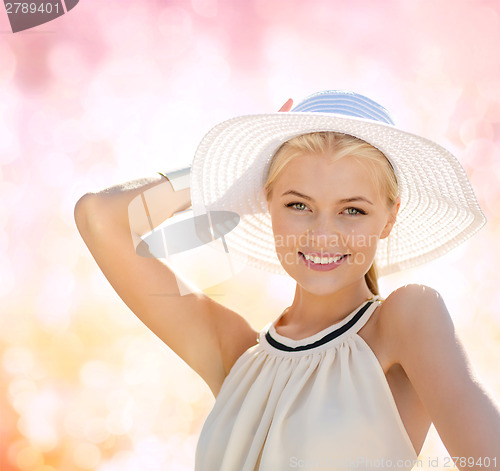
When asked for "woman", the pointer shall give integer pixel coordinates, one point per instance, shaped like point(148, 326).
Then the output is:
point(340, 379)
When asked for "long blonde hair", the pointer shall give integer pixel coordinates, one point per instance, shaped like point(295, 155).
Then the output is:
point(338, 145)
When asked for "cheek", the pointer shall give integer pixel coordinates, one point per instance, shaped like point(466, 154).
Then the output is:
point(279, 231)
point(363, 237)
point(283, 223)
point(365, 243)
point(363, 246)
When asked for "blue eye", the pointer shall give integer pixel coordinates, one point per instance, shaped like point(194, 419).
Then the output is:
point(354, 211)
point(297, 206)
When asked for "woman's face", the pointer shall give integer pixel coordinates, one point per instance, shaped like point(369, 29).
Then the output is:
point(327, 217)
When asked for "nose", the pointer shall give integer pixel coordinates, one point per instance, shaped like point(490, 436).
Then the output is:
point(324, 231)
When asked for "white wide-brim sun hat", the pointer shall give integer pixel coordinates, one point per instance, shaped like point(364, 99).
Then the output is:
point(438, 207)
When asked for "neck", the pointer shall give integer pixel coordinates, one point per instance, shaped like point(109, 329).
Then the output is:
point(319, 311)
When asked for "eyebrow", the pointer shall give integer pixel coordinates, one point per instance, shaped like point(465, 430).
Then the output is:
point(342, 201)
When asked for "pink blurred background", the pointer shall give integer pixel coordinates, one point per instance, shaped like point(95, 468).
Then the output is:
point(116, 90)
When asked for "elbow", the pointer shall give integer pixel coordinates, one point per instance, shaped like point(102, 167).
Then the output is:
point(80, 211)
point(96, 218)
point(86, 214)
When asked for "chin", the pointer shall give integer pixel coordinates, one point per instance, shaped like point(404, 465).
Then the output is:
point(324, 287)
point(326, 283)
point(318, 285)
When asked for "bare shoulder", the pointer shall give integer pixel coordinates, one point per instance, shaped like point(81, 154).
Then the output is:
point(413, 297)
point(424, 342)
point(415, 305)
point(411, 317)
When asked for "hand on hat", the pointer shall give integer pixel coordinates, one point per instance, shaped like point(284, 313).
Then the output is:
point(287, 106)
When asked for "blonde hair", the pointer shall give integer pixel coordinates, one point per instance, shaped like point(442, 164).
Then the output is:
point(338, 145)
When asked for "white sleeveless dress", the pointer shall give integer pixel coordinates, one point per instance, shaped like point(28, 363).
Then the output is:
point(322, 402)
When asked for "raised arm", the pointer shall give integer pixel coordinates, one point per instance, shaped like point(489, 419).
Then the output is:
point(205, 334)
point(466, 417)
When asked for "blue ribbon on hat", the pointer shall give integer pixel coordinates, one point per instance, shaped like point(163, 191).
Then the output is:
point(345, 103)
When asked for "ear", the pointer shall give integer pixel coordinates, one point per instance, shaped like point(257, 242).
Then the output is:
point(391, 219)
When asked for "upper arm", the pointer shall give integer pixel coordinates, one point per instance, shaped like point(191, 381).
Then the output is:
point(192, 325)
point(465, 416)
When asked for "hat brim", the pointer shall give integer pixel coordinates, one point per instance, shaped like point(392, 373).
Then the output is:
point(438, 207)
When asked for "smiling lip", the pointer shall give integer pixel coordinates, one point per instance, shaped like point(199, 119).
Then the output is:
point(323, 266)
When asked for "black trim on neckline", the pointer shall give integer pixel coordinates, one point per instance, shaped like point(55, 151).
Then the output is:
point(325, 339)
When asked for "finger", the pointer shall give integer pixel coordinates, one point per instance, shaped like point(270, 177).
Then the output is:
point(287, 106)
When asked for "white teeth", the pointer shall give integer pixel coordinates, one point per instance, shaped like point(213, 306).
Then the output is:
point(322, 260)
